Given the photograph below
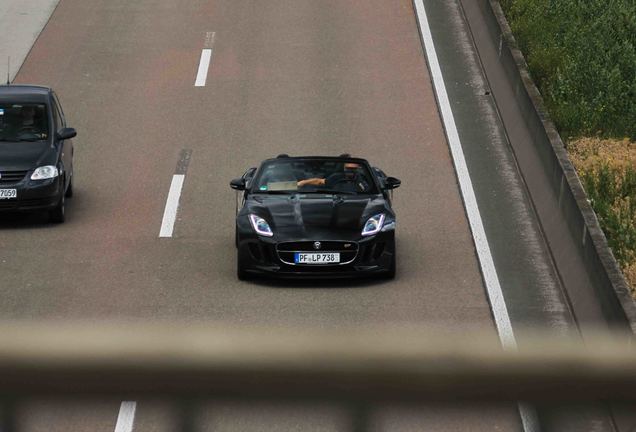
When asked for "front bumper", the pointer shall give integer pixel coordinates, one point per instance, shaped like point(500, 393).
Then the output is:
point(33, 195)
point(263, 256)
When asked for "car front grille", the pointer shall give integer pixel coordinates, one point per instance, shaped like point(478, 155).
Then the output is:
point(11, 177)
point(348, 250)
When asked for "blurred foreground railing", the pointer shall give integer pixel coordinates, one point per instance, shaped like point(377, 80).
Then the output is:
point(355, 368)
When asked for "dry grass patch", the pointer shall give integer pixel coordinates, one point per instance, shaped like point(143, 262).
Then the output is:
point(607, 169)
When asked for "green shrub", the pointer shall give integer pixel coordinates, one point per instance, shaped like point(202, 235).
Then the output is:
point(582, 55)
point(615, 205)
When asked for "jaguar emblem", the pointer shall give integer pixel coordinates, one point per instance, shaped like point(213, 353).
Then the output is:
point(317, 245)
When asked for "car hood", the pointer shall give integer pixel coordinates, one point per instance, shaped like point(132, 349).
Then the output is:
point(305, 217)
point(25, 155)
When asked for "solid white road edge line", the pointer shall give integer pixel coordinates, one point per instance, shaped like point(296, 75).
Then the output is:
point(500, 312)
point(493, 288)
point(204, 64)
point(172, 204)
point(126, 417)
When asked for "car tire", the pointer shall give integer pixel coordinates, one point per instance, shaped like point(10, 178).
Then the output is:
point(241, 273)
point(69, 189)
point(58, 214)
point(390, 274)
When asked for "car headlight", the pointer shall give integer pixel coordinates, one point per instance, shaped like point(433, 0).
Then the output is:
point(261, 226)
point(373, 225)
point(388, 226)
point(45, 172)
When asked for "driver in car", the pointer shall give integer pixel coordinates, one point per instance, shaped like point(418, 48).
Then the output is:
point(348, 180)
point(28, 117)
point(29, 121)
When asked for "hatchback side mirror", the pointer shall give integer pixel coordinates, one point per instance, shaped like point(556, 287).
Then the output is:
point(66, 133)
point(392, 183)
point(238, 184)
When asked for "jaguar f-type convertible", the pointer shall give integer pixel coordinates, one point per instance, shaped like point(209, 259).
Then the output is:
point(315, 217)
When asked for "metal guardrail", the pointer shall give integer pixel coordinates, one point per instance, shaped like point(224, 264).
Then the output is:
point(355, 368)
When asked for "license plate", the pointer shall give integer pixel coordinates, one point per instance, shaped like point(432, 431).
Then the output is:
point(8, 193)
point(317, 258)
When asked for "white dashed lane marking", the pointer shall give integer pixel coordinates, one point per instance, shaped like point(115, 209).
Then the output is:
point(172, 202)
point(205, 60)
point(126, 417)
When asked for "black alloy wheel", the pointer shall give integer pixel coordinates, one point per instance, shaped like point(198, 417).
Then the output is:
point(69, 189)
point(390, 274)
point(241, 274)
point(58, 214)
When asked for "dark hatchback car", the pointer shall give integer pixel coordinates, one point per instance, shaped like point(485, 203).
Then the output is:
point(315, 217)
point(36, 151)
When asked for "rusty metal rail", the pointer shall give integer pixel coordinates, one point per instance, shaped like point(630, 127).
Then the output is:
point(356, 368)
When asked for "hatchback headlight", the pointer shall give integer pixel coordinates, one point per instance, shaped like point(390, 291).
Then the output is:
point(373, 225)
point(45, 172)
point(261, 226)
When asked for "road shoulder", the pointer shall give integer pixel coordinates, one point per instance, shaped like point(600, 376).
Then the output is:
point(21, 22)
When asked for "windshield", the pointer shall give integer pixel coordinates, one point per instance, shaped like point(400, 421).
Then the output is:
point(314, 176)
point(23, 122)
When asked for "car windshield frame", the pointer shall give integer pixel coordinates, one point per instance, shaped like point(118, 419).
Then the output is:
point(8, 111)
point(374, 187)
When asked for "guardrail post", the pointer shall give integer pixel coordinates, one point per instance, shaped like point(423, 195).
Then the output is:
point(360, 418)
point(186, 414)
point(9, 423)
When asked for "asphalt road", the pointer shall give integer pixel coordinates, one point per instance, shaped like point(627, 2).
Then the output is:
point(292, 76)
point(286, 76)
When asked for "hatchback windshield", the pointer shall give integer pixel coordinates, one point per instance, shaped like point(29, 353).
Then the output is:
point(314, 176)
point(23, 122)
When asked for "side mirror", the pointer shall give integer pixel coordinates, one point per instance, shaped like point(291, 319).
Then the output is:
point(379, 172)
point(238, 184)
point(249, 173)
point(392, 183)
point(66, 133)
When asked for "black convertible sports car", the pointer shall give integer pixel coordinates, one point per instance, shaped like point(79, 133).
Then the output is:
point(315, 217)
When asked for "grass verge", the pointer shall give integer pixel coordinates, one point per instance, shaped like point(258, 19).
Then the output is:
point(582, 56)
point(607, 169)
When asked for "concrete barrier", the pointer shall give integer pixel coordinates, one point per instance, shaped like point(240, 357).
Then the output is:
point(586, 266)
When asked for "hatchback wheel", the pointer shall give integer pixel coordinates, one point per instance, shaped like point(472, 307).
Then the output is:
point(69, 189)
point(58, 214)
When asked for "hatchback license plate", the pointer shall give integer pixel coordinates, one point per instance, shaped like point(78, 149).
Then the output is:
point(317, 258)
point(8, 193)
